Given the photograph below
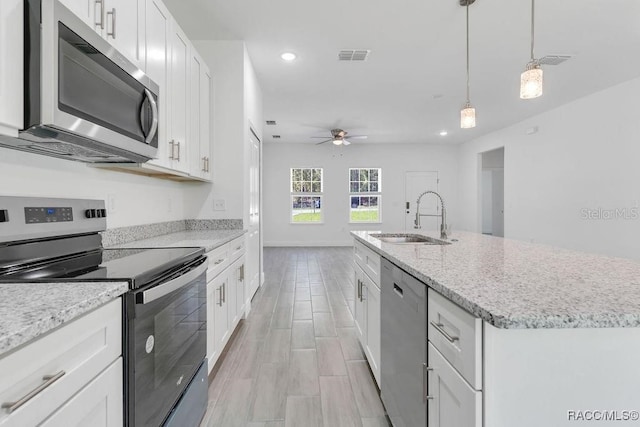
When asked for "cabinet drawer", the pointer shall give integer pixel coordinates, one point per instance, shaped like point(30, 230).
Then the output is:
point(98, 404)
point(236, 249)
point(451, 401)
point(74, 354)
point(368, 260)
point(218, 261)
point(457, 334)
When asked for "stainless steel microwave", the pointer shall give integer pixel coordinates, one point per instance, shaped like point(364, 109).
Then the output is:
point(83, 99)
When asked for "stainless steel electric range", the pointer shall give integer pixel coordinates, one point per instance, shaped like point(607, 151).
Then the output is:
point(164, 336)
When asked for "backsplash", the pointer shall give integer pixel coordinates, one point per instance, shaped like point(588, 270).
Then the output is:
point(122, 235)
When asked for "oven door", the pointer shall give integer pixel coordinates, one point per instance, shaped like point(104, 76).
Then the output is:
point(79, 84)
point(166, 343)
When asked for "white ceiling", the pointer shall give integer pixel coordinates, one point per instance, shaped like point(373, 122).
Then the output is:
point(413, 84)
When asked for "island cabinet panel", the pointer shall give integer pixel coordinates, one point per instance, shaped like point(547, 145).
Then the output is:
point(452, 401)
point(553, 377)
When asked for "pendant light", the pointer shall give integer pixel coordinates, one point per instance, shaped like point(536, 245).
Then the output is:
point(531, 77)
point(468, 113)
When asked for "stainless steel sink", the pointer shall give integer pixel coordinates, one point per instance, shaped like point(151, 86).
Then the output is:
point(415, 239)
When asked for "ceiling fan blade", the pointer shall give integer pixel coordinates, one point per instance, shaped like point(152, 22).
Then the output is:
point(358, 137)
point(326, 140)
point(345, 142)
point(318, 137)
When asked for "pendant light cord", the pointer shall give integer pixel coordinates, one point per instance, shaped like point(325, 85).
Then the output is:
point(532, 27)
point(468, 1)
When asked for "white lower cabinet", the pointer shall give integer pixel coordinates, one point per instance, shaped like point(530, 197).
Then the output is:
point(367, 319)
point(71, 376)
point(451, 400)
point(226, 293)
point(98, 405)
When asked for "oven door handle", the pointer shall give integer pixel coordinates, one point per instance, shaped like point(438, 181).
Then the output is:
point(167, 287)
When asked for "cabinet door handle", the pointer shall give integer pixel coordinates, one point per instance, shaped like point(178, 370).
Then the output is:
point(220, 296)
point(173, 150)
point(204, 164)
point(113, 23)
point(178, 144)
point(398, 290)
point(101, 22)
point(440, 328)
point(425, 382)
point(242, 273)
point(359, 290)
point(224, 292)
point(48, 380)
point(218, 262)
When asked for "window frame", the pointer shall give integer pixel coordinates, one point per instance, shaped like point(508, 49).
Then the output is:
point(303, 193)
point(368, 193)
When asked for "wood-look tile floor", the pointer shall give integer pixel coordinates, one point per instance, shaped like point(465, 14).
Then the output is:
point(296, 361)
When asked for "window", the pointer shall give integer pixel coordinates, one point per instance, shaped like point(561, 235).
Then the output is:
point(365, 187)
point(306, 195)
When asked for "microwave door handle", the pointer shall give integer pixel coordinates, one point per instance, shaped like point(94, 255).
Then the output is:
point(167, 287)
point(154, 116)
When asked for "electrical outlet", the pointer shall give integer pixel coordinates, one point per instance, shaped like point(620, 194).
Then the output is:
point(111, 203)
point(219, 205)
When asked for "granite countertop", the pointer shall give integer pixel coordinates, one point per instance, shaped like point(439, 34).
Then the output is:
point(513, 284)
point(28, 310)
point(207, 239)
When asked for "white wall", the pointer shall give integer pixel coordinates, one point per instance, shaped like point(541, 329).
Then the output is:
point(394, 159)
point(138, 199)
point(584, 156)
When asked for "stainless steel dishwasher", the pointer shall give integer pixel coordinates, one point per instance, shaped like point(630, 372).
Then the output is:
point(403, 344)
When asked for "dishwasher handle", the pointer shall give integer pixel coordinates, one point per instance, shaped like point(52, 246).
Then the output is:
point(398, 290)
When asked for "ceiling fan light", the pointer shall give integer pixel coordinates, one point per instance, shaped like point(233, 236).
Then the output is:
point(337, 142)
point(531, 81)
point(467, 117)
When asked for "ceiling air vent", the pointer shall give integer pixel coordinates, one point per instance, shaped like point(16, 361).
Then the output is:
point(553, 59)
point(275, 136)
point(353, 55)
point(271, 122)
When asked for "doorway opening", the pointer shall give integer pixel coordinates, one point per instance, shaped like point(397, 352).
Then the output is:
point(492, 192)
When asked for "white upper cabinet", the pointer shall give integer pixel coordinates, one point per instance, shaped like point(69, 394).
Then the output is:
point(11, 77)
point(124, 22)
point(157, 36)
point(199, 135)
point(120, 22)
point(179, 99)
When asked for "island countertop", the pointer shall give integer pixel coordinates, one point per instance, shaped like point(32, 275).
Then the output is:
point(516, 285)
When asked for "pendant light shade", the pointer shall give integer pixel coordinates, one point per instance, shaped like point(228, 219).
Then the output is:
point(531, 81)
point(467, 117)
point(531, 78)
point(468, 113)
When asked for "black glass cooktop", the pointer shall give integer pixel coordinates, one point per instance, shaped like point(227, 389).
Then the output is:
point(137, 266)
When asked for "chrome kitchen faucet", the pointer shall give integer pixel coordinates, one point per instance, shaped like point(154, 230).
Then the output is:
point(443, 215)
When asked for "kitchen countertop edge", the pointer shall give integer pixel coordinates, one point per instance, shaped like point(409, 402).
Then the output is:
point(39, 316)
point(547, 321)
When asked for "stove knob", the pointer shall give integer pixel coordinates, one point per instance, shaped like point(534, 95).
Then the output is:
point(4, 215)
point(90, 213)
point(98, 213)
point(103, 213)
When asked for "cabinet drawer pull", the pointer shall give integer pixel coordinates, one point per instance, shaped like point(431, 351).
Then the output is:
point(48, 380)
point(425, 381)
point(113, 23)
point(218, 262)
point(439, 328)
point(238, 248)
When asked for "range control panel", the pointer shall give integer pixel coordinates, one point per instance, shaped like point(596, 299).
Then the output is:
point(40, 215)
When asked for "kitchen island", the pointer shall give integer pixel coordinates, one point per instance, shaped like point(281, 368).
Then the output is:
point(521, 334)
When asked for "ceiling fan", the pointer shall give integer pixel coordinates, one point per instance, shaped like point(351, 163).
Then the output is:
point(338, 137)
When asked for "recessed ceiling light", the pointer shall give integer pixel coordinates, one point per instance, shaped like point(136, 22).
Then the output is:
point(288, 56)
point(444, 133)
